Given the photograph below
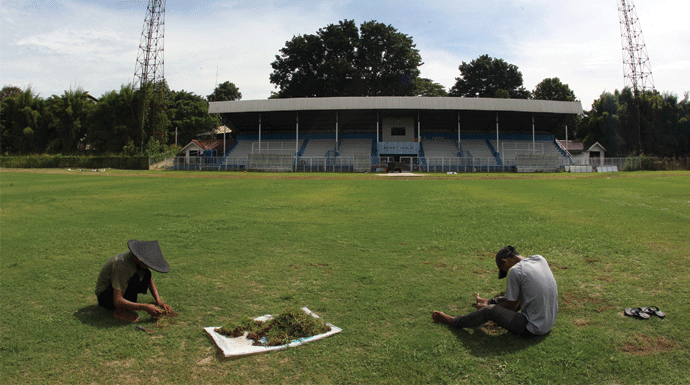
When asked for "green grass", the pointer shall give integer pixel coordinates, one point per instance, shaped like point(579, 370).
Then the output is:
point(371, 255)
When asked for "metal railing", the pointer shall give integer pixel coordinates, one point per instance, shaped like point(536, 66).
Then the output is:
point(351, 164)
point(623, 164)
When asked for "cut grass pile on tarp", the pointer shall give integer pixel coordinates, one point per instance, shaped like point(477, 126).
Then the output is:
point(281, 329)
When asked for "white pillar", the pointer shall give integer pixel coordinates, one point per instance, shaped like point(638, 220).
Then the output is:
point(419, 128)
point(497, 146)
point(566, 137)
point(296, 133)
point(378, 118)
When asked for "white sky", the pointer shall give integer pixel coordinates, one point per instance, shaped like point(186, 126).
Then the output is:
point(55, 45)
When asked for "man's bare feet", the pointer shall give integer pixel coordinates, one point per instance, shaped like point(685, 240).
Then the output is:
point(124, 315)
point(437, 316)
point(481, 302)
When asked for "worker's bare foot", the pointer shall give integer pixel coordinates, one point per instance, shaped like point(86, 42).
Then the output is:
point(437, 316)
point(481, 302)
point(124, 315)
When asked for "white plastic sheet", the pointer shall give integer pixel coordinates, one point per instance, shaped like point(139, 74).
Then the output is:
point(241, 346)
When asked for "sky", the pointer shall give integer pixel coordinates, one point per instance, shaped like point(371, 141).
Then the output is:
point(57, 45)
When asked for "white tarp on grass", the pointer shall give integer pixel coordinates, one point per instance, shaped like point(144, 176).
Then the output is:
point(241, 346)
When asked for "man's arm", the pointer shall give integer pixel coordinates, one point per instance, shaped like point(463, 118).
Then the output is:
point(120, 302)
point(157, 298)
point(512, 305)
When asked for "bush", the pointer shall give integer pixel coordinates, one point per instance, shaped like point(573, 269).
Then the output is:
point(76, 161)
point(665, 164)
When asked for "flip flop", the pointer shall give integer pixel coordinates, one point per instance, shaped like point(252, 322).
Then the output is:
point(636, 313)
point(653, 310)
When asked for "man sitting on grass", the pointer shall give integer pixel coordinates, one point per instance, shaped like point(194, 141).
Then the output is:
point(531, 289)
point(126, 275)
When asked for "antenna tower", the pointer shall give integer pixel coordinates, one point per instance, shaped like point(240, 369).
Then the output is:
point(148, 72)
point(638, 71)
point(149, 68)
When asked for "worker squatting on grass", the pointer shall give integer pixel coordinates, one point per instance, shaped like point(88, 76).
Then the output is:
point(126, 275)
point(530, 305)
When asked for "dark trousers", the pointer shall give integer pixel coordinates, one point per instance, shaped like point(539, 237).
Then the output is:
point(134, 287)
point(508, 319)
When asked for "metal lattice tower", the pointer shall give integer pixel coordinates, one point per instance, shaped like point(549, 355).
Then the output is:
point(149, 68)
point(638, 71)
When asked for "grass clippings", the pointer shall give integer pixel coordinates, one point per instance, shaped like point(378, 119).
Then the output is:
point(281, 329)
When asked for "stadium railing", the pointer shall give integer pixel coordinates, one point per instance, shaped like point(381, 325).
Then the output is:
point(350, 164)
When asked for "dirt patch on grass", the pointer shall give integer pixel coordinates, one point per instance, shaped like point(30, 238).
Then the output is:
point(572, 300)
point(642, 345)
point(582, 322)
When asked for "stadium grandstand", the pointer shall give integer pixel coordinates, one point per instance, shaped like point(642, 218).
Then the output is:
point(374, 134)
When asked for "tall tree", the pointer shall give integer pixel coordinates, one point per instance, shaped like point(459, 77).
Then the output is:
point(665, 124)
point(388, 61)
point(340, 60)
point(113, 122)
point(188, 115)
point(486, 77)
point(66, 120)
point(9, 91)
point(553, 89)
point(21, 123)
point(225, 91)
point(427, 87)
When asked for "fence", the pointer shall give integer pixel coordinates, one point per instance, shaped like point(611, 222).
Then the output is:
point(275, 162)
point(623, 164)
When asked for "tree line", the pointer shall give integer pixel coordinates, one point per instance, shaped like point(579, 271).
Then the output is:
point(341, 59)
point(148, 120)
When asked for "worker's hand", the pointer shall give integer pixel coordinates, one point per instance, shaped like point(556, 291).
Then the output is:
point(166, 308)
point(154, 311)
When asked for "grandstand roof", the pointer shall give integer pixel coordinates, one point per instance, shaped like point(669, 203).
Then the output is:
point(396, 103)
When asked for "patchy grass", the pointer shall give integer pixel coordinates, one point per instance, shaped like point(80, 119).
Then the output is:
point(373, 255)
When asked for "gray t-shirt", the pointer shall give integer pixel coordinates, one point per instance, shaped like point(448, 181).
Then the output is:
point(531, 282)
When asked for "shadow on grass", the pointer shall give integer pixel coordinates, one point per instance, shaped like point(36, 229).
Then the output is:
point(487, 342)
point(98, 316)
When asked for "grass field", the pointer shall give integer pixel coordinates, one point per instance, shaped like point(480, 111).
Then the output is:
point(372, 255)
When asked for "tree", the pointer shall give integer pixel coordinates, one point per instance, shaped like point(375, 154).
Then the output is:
point(20, 123)
point(388, 61)
point(602, 124)
point(113, 122)
point(188, 114)
point(66, 120)
point(340, 60)
point(553, 89)
point(664, 122)
point(225, 91)
point(9, 92)
point(426, 87)
point(486, 77)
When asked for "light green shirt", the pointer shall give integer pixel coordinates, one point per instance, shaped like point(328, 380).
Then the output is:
point(116, 272)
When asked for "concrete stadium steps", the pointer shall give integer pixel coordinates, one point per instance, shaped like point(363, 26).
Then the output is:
point(350, 147)
point(318, 147)
point(444, 148)
point(476, 149)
